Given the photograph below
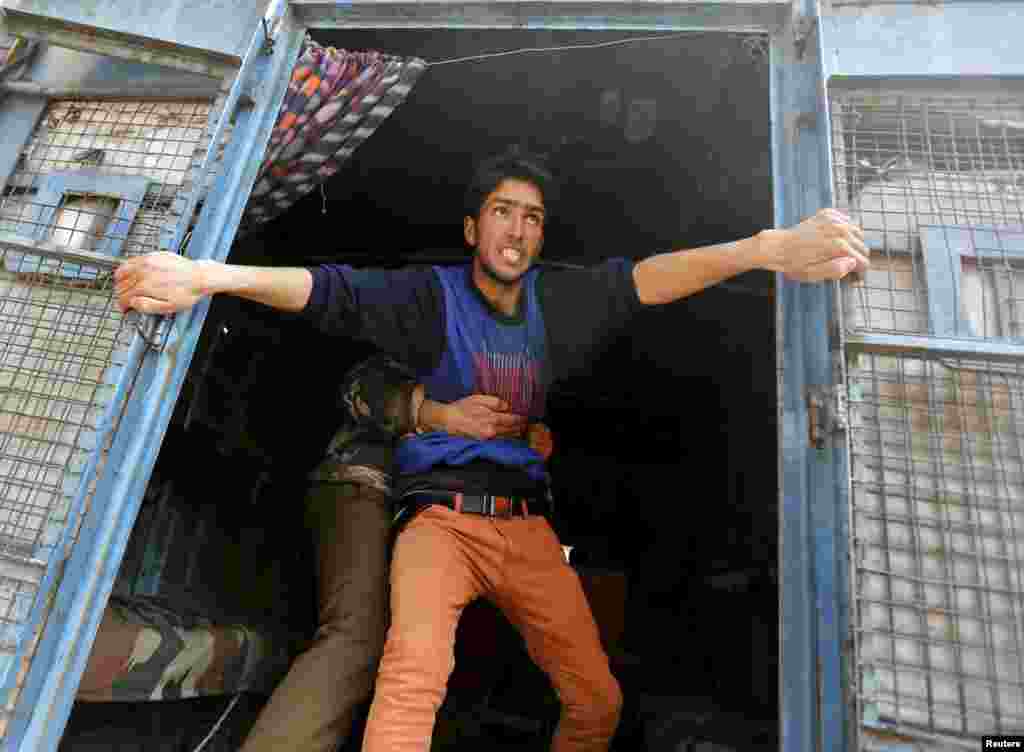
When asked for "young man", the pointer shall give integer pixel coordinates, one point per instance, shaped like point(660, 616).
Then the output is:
point(499, 327)
point(349, 512)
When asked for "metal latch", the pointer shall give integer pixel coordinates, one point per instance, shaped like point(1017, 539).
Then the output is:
point(826, 412)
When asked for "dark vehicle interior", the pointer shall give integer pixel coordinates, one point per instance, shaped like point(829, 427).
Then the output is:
point(666, 453)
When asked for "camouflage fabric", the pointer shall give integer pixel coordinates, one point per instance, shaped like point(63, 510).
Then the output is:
point(147, 649)
point(377, 397)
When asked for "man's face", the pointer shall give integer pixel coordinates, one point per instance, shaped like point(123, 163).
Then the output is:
point(509, 232)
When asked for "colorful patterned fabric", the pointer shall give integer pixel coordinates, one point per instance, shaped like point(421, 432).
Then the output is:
point(147, 649)
point(335, 101)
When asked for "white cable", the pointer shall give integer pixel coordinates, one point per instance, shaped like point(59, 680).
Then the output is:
point(217, 725)
point(489, 55)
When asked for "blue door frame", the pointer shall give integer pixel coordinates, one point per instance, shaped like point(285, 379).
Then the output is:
point(813, 479)
point(814, 482)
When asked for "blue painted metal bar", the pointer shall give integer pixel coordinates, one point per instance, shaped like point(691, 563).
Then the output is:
point(814, 482)
point(935, 347)
point(18, 117)
point(797, 676)
point(948, 39)
point(596, 15)
point(203, 37)
point(45, 703)
point(831, 490)
point(228, 103)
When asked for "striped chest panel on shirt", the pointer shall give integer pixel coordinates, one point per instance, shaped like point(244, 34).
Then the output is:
point(486, 355)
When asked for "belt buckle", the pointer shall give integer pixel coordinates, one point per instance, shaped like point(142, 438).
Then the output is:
point(490, 505)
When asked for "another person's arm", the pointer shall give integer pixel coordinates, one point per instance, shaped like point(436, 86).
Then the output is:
point(382, 395)
point(481, 416)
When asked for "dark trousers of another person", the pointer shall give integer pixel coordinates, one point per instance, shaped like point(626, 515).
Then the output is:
point(442, 561)
point(312, 709)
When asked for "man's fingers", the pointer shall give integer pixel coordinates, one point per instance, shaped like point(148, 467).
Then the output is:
point(124, 269)
point(846, 221)
point(836, 215)
point(858, 244)
point(490, 401)
point(126, 280)
point(835, 269)
point(845, 247)
point(509, 434)
point(857, 230)
point(505, 421)
point(152, 306)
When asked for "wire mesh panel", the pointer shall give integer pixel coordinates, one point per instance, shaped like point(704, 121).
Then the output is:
point(111, 143)
point(99, 180)
point(938, 186)
point(938, 526)
point(937, 506)
point(869, 3)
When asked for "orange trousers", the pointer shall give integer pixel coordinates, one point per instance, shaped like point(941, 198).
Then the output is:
point(442, 561)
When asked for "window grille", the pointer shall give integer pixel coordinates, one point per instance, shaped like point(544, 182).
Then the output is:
point(97, 181)
point(937, 442)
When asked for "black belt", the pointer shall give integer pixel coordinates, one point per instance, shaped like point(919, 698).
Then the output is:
point(504, 507)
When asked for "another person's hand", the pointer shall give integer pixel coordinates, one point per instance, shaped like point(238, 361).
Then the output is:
point(827, 246)
point(539, 438)
point(158, 283)
point(478, 416)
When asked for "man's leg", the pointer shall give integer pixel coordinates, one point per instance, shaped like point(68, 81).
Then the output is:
point(312, 709)
point(542, 596)
point(442, 561)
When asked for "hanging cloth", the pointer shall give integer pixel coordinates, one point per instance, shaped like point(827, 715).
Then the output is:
point(335, 101)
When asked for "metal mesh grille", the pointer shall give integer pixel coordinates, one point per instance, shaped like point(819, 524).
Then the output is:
point(869, 3)
point(938, 526)
point(160, 142)
point(98, 177)
point(938, 186)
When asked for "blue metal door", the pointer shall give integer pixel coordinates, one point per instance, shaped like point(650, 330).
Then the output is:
point(86, 394)
point(925, 119)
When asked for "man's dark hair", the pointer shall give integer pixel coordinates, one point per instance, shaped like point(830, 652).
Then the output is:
point(513, 164)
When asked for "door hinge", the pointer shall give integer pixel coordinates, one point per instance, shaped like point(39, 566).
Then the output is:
point(826, 413)
point(835, 337)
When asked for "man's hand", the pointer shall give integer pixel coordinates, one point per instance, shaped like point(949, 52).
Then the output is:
point(163, 283)
point(478, 416)
point(158, 283)
point(540, 440)
point(827, 246)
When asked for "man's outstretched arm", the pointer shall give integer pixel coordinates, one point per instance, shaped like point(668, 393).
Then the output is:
point(827, 246)
point(163, 283)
